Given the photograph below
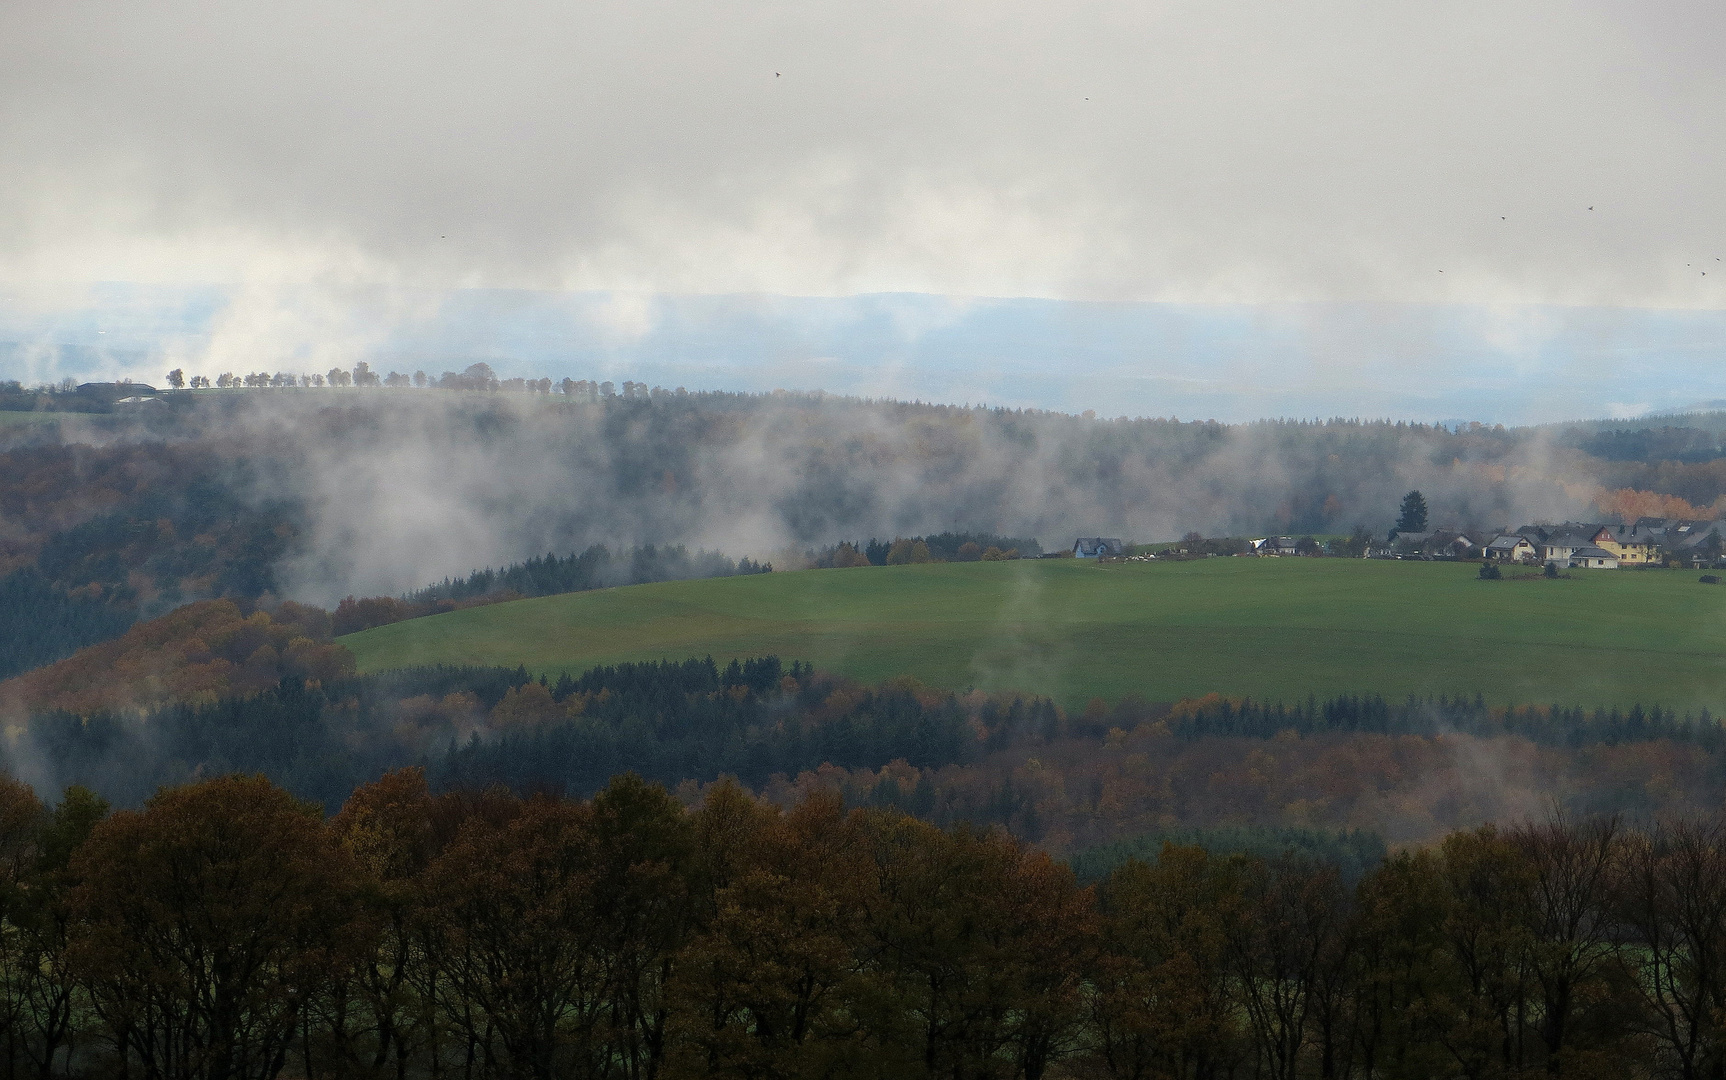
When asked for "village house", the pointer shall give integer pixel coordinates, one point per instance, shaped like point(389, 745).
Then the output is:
point(1559, 546)
point(1099, 547)
point(1702, 547)
point(1275, 545)
point(1450, 542)
point(1687, 541)
point(1556, 543)
point(1511, 548)
point(1593, 558)
point(1630, 545)
point(1409, 544)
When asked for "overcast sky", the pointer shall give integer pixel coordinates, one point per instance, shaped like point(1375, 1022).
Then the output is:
point(1245, 153)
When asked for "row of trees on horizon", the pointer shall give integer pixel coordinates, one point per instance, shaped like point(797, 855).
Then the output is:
point(477, 376)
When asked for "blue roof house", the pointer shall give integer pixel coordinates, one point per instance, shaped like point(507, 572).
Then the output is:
point(1097, 547)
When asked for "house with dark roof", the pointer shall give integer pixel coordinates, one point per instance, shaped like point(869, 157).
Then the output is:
point(1695, 542)
point(1511, 547)
point(113, 391)
point(1572, 545)
point(1646, 542)
point(1451, 542)
point(1410, 543)
point(1556, 543)
point(1099, 547)
point(1276, 545)
point(1629, 544)
point(1590, 557)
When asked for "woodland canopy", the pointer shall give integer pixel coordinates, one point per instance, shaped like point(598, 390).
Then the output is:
point(226, 931)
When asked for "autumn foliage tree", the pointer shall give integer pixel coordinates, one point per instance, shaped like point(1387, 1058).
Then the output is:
point(204, 923)
point(226, 931)
point(1159, 987)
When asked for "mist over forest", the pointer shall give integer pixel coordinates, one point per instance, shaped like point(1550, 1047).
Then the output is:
point(385, 491)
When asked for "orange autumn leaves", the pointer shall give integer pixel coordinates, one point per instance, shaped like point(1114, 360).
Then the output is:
point(1629, 504)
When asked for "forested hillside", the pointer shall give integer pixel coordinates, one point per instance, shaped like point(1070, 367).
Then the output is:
point(198, 653)
point(286, 705)
point(315, 495)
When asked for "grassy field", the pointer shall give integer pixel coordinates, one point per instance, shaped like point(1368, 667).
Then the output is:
point(19, 419)
point(1268, 628)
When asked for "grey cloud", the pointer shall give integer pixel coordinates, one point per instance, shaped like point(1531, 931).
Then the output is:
point(1105, 151)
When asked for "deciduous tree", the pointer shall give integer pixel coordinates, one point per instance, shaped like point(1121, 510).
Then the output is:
point(206, 921)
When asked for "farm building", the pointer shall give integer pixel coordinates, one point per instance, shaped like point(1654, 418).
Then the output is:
point(1098, 547)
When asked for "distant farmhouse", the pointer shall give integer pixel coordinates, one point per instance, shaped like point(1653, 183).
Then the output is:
point(1099, 547)
point(110, 392)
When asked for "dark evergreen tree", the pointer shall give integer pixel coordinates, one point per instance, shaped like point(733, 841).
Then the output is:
point(1413, 517)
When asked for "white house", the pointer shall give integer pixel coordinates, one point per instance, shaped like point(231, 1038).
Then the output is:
point(1511, 548)
point(1593, 558)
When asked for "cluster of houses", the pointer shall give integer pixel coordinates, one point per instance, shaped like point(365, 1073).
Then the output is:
point(1573, 545)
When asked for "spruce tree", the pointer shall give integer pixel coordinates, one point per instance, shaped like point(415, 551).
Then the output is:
point(1413, 517)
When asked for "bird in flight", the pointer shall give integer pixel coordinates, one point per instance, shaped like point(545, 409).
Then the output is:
point(1591, 208)
point(775, 74)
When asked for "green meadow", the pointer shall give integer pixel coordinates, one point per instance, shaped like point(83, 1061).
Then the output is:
point(1265, 628)
point(9, 418)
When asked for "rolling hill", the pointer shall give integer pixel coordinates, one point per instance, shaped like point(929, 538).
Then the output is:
point(1265, 628)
